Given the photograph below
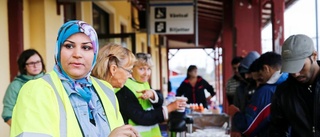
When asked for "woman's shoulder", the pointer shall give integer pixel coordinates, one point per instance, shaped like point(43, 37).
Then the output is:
point(201, 79)
point(36, 89)
point(46, 82)
point(124, 90)
point(125, 93)
point(17, 82)
point(103, 82)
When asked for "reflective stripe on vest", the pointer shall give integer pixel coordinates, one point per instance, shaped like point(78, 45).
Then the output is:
point(29, 134)
point(140, 128)
point(63, 116)
point(110, 94)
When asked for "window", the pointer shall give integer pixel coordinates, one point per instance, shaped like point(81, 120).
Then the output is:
point(100, 20)
point(69, 11)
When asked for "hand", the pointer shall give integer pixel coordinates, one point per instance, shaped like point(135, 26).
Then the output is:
point(124, 131)
point(178, 104)
point(232, 110)
point(147, 94)
point(208, 99)
point(235, 134)
point(9, 122)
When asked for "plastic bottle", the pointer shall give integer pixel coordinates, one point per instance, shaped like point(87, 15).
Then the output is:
point(201, 108)
point(215, 108)
point(188, 109)
point(196, 107)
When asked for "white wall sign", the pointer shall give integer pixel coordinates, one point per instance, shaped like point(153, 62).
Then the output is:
point(171, 18)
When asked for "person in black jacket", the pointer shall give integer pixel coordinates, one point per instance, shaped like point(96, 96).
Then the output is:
point(245, 89)
point(140, 105)
point(294, 108)
point(193, 87)
point(235, 80)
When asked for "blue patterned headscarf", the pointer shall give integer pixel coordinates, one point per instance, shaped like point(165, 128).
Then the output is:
point(82, 86)
point(73, 27)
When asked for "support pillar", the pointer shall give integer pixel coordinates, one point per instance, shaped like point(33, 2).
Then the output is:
point(228, 48)
point(15, 25)
point(247, 23)
point(278, 7)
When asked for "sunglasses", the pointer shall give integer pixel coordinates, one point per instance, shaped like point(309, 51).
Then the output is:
point(144, 56)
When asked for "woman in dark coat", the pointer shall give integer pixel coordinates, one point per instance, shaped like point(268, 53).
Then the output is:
point(193, 87)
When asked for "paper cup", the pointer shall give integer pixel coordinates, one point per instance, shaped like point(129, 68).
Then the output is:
point(184, 99)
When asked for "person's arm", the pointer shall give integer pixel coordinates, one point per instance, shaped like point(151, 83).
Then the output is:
point(257, 113)
point(228, 86)
point(130, 108)
point(236, 102)
point(278, 124)
point(159, 99)
point(155, 97)
point(209, 88)
point(238, 95)
point(229, 94)
point(9, 101)
point(9, 122)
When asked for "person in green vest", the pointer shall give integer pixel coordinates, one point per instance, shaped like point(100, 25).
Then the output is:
point(68, 102)
point(140, 105)
point(31, 66)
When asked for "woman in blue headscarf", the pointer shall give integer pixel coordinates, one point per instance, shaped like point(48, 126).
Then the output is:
point(68, 101)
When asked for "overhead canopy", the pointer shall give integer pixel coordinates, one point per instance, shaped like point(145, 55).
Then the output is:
point(210, 23)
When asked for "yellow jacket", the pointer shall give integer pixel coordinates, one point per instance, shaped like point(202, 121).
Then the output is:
point(39, 109)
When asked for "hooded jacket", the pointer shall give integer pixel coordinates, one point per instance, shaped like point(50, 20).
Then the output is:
point(11, 95)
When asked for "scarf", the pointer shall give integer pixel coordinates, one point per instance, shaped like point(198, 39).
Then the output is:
point(82, 86)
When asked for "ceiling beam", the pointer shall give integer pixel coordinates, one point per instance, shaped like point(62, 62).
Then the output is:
point(219, 8)
point(214, 2)
point(213, 20)
point(210, 12)
point(211, 16)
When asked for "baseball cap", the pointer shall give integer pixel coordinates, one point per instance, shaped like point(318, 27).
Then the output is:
point(247, 61)
point(295, 50)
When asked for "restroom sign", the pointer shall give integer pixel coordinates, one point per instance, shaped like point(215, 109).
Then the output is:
point(171, 18)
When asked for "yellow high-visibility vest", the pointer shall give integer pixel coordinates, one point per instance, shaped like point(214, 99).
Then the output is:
point(45, 110)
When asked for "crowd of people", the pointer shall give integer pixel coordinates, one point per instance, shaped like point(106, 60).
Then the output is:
point(278, 94)
point(107, 93)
